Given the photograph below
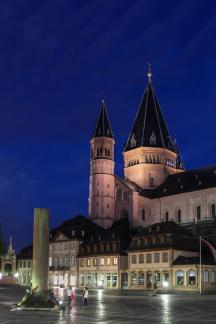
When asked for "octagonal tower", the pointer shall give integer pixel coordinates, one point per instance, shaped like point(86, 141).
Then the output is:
point(150, 154)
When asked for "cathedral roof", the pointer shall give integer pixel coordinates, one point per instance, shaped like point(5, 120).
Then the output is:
point(129, 184)
point(149, 128)
point(102, 127)
point(187, 181)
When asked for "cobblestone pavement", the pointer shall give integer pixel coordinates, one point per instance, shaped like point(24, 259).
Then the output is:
point(117, 308)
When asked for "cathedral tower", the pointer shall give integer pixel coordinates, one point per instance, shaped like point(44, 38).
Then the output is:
point(101, 187)
point(150, 154)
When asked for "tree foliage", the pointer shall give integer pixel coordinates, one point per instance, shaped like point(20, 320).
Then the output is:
point(3, 246)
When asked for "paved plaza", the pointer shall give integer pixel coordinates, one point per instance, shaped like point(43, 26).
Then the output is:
point(116, 308)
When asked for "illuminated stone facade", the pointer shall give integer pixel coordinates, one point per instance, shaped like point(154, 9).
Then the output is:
point(155, 186)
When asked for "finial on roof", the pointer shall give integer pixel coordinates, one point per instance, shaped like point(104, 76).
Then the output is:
point(103, 97)
point(149, 72)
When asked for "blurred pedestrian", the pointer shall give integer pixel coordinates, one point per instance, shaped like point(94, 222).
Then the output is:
point(85, 297)
point(69, 291)
point(155, 288)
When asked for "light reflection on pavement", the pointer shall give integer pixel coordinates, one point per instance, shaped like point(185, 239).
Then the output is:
point(107, 307)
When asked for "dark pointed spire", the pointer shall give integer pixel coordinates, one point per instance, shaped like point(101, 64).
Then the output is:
point(103, 127)
point(149, 127)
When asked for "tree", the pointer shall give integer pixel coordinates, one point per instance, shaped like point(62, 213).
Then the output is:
point(3, 246)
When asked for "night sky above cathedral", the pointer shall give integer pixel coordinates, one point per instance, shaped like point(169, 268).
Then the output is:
point(58, 59)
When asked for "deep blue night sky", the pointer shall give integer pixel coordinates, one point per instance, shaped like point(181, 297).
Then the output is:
point(56, 60)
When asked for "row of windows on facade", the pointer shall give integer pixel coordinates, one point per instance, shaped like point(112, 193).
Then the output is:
point(102, 261)
point(181, 277)
point(109, 280)
point(156, 257)
point(25, 264)
point(63, 246)
point(197, 215)
point(62, 261)
point(153, 159)
point(99, 248)
point(139, 278)
point(190, 277)
point(101, 152)
point(156, 240)
point(25, 278)
point(97, 205)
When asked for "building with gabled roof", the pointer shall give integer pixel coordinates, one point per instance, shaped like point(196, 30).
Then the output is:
point(155, 187)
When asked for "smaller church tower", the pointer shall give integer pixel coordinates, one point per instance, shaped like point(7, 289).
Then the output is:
point(101, 186)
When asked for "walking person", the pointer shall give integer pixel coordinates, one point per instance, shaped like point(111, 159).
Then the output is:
point(85, 297)
point(155, 288)
point(69, 292)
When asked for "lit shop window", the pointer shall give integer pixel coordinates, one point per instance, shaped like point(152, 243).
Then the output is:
point(180, 278)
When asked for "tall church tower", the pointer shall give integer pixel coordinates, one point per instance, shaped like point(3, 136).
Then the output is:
point(101, 187)
point(150, 154)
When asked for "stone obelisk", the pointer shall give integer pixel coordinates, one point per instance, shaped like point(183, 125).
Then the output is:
point(40, 250)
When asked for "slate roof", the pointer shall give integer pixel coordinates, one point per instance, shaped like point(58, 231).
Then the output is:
point(102, 127)
point(26, 252)
point(182, 260)
point(77, 224)
point(119, 233)
point(163, 228)
point(174, 236)
point(150, 123)
point(129, 184)
point(186, 181)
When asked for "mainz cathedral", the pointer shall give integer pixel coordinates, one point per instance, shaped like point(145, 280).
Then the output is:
point(156, 187)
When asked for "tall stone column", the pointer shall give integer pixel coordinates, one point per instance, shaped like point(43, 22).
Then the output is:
point(40, 249)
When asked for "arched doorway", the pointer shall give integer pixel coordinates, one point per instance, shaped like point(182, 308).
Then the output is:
point(8, 269)
point(123, 213)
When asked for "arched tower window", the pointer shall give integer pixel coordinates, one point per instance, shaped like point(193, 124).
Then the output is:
point(198, 213)
point(179, 216)
point(166, 216)
point(143, 215)
point(213, 211)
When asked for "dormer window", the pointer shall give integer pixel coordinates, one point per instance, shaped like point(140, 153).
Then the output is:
point(153, 139)
point(133, 140)
point(73, 233)
point(108, 132)
point(82, 233)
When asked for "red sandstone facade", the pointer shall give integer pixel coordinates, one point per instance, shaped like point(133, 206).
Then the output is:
point(155, 187)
